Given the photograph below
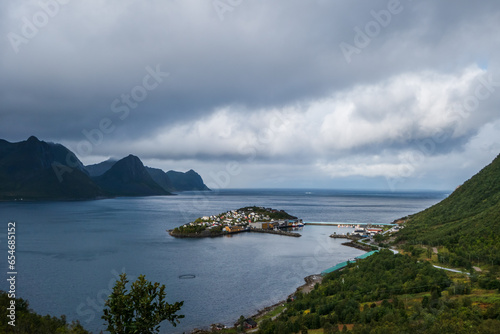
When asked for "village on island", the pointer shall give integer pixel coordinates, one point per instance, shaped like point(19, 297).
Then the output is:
point(367, 237)
point(248, 219)
point(267, 220)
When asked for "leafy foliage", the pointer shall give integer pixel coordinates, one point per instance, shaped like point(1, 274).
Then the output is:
point(273, 214)
point(141, 310)
point(372, 295)
point(190, 229)
point(28, 322)
point(467, 223)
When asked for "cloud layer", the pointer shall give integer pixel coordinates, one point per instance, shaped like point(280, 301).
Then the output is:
point(395, 94)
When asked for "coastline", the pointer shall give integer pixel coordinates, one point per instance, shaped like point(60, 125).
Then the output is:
point(357, 246)
point(308, 286)
point(223, 233)
point(275, 310)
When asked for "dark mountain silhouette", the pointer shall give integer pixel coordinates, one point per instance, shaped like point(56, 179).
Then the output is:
point(100, 168)
point(37, 170)
point(34, 169)
point(186, 181)
point(129, 177)
point(160, 177)
point(170, 181)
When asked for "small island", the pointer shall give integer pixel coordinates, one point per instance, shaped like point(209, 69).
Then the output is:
point(248, 219)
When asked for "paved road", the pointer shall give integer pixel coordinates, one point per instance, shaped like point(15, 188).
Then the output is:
point(452, 270)
point(396, 252)
point(370, 244)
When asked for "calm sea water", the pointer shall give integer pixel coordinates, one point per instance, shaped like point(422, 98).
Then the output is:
point(69, 254)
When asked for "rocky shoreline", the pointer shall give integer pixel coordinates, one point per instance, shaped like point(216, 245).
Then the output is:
point(279, 232)
point(358, 246)
point(209, 234)
point(308, 286)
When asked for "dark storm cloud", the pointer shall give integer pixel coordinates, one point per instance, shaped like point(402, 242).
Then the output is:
point(60, 78)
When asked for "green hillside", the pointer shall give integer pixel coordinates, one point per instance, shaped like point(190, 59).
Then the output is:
point(395, 293)
point(467, 223)
point(387, 293)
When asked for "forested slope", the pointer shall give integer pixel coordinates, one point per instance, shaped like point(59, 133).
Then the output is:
point(387, 293)
point(467, 223)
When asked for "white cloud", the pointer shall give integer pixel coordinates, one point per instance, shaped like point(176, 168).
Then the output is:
point(399, 129)
point(396, 111)
point(268, 86)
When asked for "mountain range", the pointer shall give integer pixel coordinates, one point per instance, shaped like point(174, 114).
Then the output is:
point(170, 181)
point(37, 170)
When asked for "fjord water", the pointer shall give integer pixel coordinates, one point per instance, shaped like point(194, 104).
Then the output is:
point(70, 253)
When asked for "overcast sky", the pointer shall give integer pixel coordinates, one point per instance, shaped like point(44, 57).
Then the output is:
point(388, 95)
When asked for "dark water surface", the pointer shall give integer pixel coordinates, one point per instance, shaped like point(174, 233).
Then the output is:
point(70, 253)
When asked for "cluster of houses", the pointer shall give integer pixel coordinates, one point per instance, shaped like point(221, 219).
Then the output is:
point(366, 232)
point(240, 220)
point(276, 224)
point(248, 323)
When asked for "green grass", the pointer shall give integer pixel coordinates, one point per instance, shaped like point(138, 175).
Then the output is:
point(315, 331)
point(272, 313)
point(484, 296)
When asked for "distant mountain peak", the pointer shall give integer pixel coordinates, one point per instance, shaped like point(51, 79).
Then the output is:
point(28, 169)
point(33, 139)
point(129, 177)
point(189, 180)
point(130, 164)
point(35, 169)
